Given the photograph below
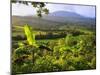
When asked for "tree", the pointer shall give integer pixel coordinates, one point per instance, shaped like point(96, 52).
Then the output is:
point(41, 9)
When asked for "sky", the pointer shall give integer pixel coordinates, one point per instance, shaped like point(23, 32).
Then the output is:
point(24, 10)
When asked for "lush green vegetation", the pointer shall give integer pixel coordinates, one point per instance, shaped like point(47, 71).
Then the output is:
point(52, 50)
point(49, 43)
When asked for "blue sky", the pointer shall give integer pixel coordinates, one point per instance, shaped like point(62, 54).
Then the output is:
point(24, 10)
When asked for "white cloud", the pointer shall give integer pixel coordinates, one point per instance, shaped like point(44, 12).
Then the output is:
point(22, 10)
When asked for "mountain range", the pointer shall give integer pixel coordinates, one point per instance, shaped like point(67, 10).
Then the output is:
point(53, 19)
point(65, 14)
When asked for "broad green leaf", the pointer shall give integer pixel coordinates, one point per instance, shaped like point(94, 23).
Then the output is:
point(30, 35)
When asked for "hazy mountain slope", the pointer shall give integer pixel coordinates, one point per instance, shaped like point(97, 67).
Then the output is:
point(33, 21)
point(54, 19)
point(65, 14)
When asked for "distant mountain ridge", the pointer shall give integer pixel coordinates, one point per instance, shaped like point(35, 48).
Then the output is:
point(65, 14)
point(68, 17)
point(59, 18)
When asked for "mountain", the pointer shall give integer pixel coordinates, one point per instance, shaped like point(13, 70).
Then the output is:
point(53, 20)
point(33, 21)
point(69, 17)
point(64, 14)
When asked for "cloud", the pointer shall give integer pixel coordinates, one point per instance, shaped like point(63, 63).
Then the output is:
point(22, 10)
point(88, 11)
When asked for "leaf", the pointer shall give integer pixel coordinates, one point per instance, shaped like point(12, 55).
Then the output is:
point(29, 34)
point(46, 11)
point(20, 44)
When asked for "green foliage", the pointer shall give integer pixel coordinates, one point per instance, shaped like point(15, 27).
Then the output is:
point(70, 40)
point(70, 53)
point(30, 35)
point(20, 44)
point(46, 11)
point(22, 51)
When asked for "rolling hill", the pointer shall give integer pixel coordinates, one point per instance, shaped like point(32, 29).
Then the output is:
point(54, 19)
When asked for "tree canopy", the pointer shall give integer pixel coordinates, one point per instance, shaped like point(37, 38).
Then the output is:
point(41, 9)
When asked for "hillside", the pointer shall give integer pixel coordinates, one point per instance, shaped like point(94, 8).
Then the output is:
point(54, 20)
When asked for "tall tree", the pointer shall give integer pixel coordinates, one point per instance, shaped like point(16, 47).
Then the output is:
point(40, 6)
